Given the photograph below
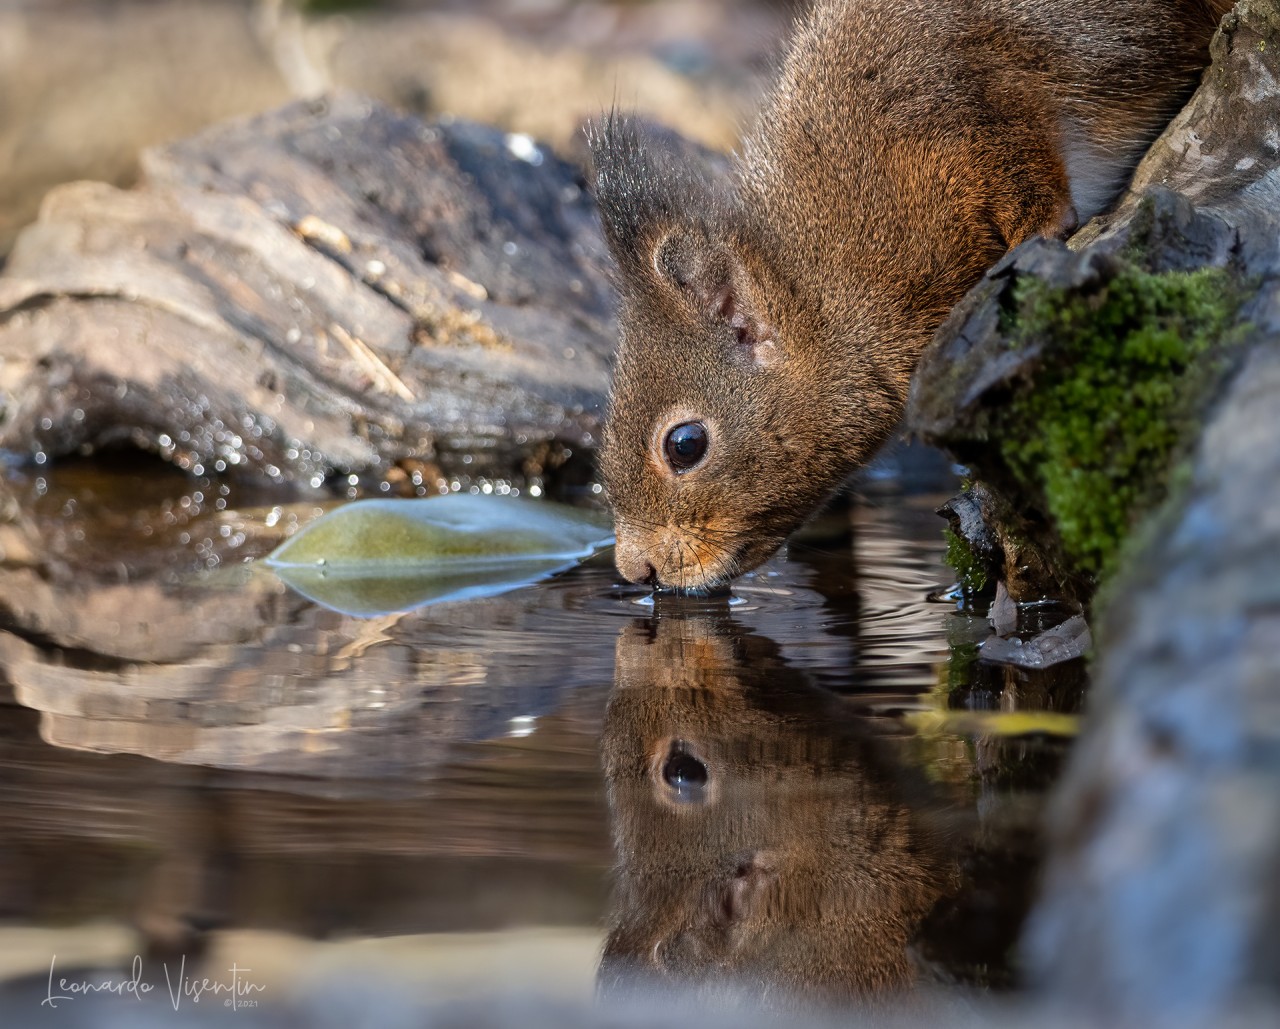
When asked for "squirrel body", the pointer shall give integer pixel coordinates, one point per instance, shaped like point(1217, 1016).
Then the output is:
point(771, 317)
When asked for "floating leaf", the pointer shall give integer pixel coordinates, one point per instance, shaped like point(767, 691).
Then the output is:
point(378, 556)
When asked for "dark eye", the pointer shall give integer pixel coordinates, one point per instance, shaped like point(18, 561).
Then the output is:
point(686, 445)
point(684, 774)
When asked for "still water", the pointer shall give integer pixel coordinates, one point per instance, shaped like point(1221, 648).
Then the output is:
point(802, 791)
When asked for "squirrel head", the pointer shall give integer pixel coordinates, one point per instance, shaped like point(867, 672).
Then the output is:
point(727, 424)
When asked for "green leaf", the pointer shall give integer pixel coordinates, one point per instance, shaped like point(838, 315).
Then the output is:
point(380, 556)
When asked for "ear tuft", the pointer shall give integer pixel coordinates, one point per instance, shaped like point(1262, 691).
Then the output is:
point(669, 217)
point(645, 184)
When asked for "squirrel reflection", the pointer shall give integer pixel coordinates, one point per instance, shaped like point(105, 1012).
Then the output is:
point(763, 842)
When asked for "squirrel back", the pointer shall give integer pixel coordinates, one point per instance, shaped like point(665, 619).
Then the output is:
point(771, 318)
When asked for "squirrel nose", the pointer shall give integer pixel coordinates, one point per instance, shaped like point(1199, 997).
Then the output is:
point(641, 573)
point(634, 566)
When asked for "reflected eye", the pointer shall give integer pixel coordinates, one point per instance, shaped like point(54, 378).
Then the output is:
point(686, 445)
point(685, 775)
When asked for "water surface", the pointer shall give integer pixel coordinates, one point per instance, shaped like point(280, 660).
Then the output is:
point(568, 784)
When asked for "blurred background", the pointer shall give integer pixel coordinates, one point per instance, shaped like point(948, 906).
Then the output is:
point(84, 84)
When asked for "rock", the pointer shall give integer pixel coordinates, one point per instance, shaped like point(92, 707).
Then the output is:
point(329, 288)
point(1006, 547)
point(1066, 642)
point(1003, 613)
point(1008, 384)
point(1161, 896)
point(1069, 382)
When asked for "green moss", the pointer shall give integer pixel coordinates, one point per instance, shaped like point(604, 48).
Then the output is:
point(1130, 366)
point(970, 571)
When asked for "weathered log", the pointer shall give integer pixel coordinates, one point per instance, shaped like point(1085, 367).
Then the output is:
point(329, 288)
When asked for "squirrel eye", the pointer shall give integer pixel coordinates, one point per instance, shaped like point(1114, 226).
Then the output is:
point(685, 774)
point(686, 445)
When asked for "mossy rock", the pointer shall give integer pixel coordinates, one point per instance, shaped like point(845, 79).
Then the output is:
point(1072, 384)
point(1097, 438)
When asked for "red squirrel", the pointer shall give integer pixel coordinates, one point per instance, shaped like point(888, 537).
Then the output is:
point(771, 316)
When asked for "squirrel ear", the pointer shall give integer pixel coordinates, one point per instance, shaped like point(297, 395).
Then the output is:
point(716, 280)
point(640, 191)
point(663, 212)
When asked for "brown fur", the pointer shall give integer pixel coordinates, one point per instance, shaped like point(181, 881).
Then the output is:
point(798, 872)
point(905, 147)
